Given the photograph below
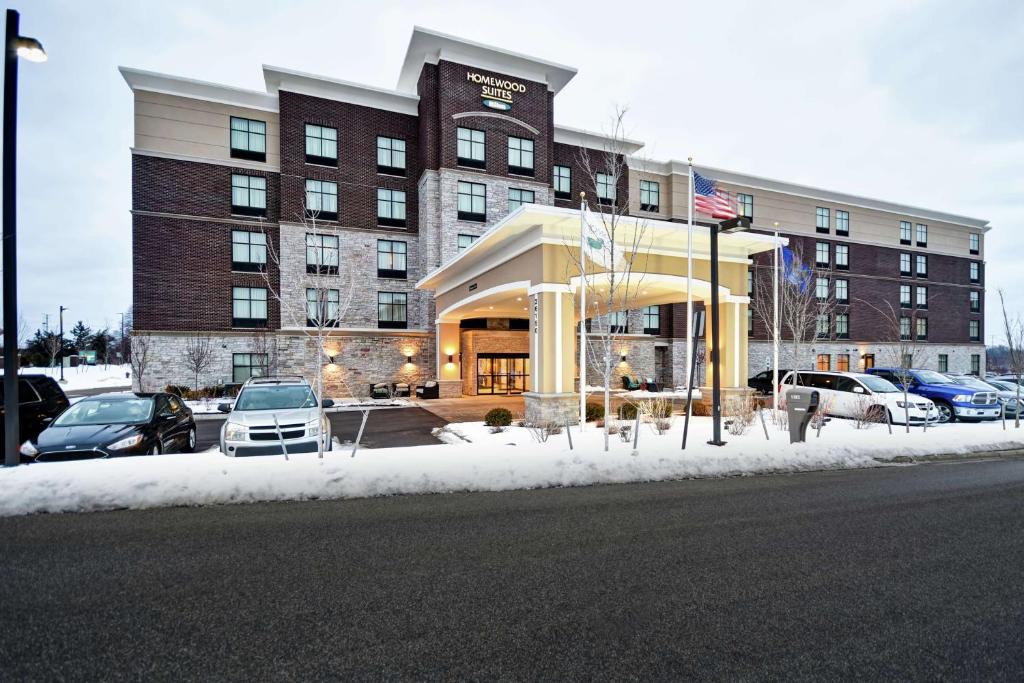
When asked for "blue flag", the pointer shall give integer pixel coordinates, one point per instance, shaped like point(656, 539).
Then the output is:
point(795, 272)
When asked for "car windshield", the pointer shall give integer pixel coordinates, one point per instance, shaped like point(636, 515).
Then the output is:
point(1004, 386)
point(877, 384)
point(106, 411)
point(974, 383)
point(276, 397)
point(931, 377)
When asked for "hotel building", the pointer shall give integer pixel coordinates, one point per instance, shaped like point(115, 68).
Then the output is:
point(450, 197)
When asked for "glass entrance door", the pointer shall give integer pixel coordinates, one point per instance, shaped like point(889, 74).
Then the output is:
point(502, 373)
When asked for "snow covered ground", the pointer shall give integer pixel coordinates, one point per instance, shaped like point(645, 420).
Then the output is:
point(473, 460)
point(86, 376)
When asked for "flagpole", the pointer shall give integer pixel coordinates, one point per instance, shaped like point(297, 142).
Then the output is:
point(689, 275)
point(583, 312)
point(775, 325)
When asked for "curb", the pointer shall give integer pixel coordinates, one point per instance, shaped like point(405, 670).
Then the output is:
point(950, 457)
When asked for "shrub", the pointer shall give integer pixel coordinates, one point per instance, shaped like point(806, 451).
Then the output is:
point(624, 433)
point(178, 390)
point(595, 411)
point(498, 417)
point(627, 411)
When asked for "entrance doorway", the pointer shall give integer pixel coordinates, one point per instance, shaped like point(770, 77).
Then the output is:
point(502, 373)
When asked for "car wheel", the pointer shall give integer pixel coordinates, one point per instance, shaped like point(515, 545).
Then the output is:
point(190, 441)
point(946, 412)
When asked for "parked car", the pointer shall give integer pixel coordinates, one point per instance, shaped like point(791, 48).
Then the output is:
point(1006, 392)
point(116, 424)
point(857, 395)
point(762, 381)
point(953, 401)
point(40, 399)
point(270, 411)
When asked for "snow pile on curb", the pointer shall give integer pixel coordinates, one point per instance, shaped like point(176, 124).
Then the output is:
point(85, 376)
point(483, 461)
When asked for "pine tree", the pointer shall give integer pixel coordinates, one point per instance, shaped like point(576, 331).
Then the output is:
point(81, 337)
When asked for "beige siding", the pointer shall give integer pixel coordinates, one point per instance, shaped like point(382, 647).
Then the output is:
point(180, 126)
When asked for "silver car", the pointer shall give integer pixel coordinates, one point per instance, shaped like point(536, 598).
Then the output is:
point(272, 414)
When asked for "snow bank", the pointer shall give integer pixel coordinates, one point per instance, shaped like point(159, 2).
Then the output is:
point(476, 460)
point(86, 376)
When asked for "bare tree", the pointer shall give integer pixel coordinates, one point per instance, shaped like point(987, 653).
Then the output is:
point(614, 251)
point(1014, 329)
point(198, 355)
point(264, 347)
point(141, 348)
point(53, 344)
point(905, 351)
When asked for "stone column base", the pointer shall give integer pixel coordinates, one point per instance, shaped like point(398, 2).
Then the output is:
point(745, 393)
point(449, 388)
point(541, 408)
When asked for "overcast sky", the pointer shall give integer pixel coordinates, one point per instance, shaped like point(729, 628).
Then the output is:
point(916, 102)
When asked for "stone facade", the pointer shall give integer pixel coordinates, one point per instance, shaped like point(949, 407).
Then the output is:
point(474, 342)
point(958, 355)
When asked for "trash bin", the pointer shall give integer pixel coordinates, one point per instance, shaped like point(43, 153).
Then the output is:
point(801, 404)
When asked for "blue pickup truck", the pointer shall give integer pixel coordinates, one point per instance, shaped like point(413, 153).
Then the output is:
point(953, 401)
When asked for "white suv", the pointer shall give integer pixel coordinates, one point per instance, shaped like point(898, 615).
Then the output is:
point(854, 394)
point(270, 411)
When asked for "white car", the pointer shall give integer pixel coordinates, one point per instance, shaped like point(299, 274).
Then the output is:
point(274, 411)
point(854, 394)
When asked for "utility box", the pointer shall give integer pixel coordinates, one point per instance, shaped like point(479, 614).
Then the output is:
point(801, 405)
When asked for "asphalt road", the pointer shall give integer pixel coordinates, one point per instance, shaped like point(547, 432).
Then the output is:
point(905, 573)
point(385, 428)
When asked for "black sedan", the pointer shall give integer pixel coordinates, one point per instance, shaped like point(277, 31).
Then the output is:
point(116, 424)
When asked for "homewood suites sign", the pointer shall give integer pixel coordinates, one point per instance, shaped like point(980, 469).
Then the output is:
point(496, 92)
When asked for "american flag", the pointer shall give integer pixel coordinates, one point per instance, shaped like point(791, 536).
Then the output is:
point(707, 198)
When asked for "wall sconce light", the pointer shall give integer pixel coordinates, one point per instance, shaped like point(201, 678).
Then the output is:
point(622, 358)
point(331, 358)
point(451, 358)
point(408, 359)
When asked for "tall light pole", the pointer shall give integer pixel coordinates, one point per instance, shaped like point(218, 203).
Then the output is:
point(29, 48)
point(120, 340)
point(61, 351)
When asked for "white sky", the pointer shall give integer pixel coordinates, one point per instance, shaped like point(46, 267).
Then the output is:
point(916, 102)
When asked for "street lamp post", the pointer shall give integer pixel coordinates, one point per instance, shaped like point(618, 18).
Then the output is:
point(738, 224)
point(14, 46)
point(61, 350)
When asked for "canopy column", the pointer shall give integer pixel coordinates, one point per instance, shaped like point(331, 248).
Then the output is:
point(449, 360)
point(552, 397)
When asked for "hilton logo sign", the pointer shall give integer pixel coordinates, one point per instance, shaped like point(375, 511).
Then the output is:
point(496, 92)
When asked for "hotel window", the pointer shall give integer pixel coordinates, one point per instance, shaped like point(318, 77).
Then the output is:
point(391, 207)
point(605, 188)
point(652, 319)
point(750, 282)
point(750, 321)
point(248, 195)
point(650, 195)
point(974, 328)
point(472, 202)
point(843, 362)
point(922, 297)
point(322, 199)
point(392, 308)
point(745, 204)
point(975, 364)
point(868, 361)
point(975, 302)
point(561, 177)
point(922, 235)
point(390, 155)
point(943, 362)
point(248, 307)
point(908, 360)
point(823, 326)
point(618, 322)
point(520, 156)
point(904, 264)
point(322, 307)
point(905, 232)
point(904, 327)
point(391, 259)
point(321, 145)
point(843, 256)
point(975, 271)
point(843, 325)
point(842, 222)
point(322, 254)
point(821, 288)
point(842, 291)
point(975, 243)
point(471, 148)
point(248, 139)
point(905, 296)
point(922, 328)
point(466, 240)
point(821, 254)
point(517, 198)
point(922, 265)
point(248, 251)
point(824, 362)
point(247, 365)
point(822, 219)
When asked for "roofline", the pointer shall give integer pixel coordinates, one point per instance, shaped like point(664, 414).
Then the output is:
point(152, 81)
point(430, 46)
point(577, 137)
point(676, 167)
point(278, 78)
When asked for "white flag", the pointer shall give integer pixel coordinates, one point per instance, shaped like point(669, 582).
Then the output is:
point(597, 242)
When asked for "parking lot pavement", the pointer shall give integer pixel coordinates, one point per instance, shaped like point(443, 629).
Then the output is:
point(385, 428)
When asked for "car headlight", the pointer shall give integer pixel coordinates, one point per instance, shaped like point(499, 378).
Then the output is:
point(963, 398)
point(28, 449)
point(129, 442)
point(235, 432)
point(313, 427)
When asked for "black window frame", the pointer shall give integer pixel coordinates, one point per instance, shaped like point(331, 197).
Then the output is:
point(745, 205)
point(391, 221)
point(974, 272)
point(393, 306)
point(917, 297)
point(471, 162)
point(318, 267)
point(918, 260)
point(648, 317)
point(975, 363)
point(974, 301)
point(907, 302)
point(609, 181)
point(520, 201)
point(843, 318)
point(845, 299)
point(907, 226)
point(918, 228)
point(472, 238)
point(648, 206)
point(910, 264)
point(246, 153)
point(556, 177)
point(391, 252)
point(918, 324)
point(320, 214)
point(249, 266)
point(251, 365)
point(817, 255)
point(391, 169)
point(327, 322)
point(842, 222)
point(471, 215)
point(250, 322)
point(819, 213)
point(521, 169)
point(943, 362)
point(974, 325)
point(846, 252)
point(904, 336)
point(972, 239)
point(317, 159)
point(249, 210)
